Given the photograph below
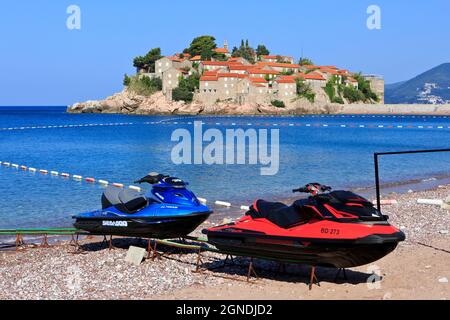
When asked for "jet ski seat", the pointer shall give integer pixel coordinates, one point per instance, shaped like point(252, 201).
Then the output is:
point(127, 201)
point(278, 213)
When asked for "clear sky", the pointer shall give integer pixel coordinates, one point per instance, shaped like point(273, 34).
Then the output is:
point(44, 63)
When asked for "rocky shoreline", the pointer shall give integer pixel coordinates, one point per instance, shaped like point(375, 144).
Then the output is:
point(418, 268)
point(127, 102)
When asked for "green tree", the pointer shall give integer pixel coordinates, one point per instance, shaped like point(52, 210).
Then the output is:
point(353, 95)
point(147, 62)
point(261, 50)
point(278, 103)
point(202, 45)
point(304, 90)
point(305, 62)
point(126, 80)
point(364, 87)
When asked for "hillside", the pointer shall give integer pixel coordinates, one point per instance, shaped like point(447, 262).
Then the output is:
point(430, 87)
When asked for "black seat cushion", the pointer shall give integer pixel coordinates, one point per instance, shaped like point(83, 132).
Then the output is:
point(278, 213)
point(127, 201)
point(131, 201)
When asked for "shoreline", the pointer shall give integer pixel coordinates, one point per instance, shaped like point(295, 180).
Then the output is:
point(103, 274)
point(126, 102)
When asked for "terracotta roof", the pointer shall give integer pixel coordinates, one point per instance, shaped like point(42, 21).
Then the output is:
point(312, 76)
point(220, 50)
point(234, 59)
point(231, 75)
point(210, 73)
point(196, 58)
point(215, 63)
point(275, 56)
point(233, 66)
point(330, 70)
point(257, 80)
point(209, 78)
point(261, 71)
point(307, 66)
point(352, 79)
point(287, 77)
point(174, 58)
point(285, 81)
point(279, 65)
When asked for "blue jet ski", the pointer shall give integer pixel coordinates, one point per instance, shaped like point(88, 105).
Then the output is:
point(168, 210)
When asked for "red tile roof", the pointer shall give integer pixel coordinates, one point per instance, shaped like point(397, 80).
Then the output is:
point(311, 76)
point(231, 75)
point(257, 80)
point(196, 58)
point(174, 58)
point(279, 65)
point(233, 66)
point(285, 81)
point(215, 63)
point(209, 78)
point(220, 50)
point(261, 71)
point(210, 73)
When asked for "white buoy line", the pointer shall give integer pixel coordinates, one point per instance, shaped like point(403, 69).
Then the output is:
point(103, 183)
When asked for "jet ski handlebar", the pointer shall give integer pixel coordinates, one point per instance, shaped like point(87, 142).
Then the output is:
point(151, 178)
point(313, 188)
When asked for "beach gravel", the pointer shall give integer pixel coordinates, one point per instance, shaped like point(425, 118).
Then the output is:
point(100, 273)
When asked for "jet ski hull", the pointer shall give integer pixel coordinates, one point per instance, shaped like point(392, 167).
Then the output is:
point(146, 227)
point(316, 252)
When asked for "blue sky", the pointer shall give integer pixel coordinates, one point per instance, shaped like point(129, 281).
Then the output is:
point(44, 63)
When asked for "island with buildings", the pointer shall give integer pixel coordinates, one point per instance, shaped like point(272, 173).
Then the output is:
point(207, 79)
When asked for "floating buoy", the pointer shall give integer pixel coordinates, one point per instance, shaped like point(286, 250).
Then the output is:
point(104, 182)
point(386, 202)
point(223, 203)
point(91, 180)
point(54, 173)
point(436, 202)
point(6, 164)
point(135, 188)
point(117, 185)
point(23, 168)
point(65, 175)
point(32, 169)
point(43, 171)
point(16, 166)
point(77, 177)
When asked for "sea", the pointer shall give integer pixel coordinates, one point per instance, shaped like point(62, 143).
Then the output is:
point(336, 150)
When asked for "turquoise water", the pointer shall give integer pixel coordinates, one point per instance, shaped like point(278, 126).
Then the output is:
point(332, 150)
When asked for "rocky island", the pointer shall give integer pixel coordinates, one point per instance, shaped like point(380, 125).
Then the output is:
point(205, 79)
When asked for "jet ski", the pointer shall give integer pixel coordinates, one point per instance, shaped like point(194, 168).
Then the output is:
point(168, 210)
point(329, 228)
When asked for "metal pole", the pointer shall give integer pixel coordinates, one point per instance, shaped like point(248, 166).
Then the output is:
point(377, 181)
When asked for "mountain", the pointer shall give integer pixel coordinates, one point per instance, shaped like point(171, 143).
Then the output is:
point(430, 87)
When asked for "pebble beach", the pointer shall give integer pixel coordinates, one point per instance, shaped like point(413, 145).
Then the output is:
point(417, 269)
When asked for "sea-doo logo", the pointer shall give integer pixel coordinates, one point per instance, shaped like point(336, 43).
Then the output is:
point(108, 223)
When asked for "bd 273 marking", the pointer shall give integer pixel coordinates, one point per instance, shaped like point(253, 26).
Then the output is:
point(330, 231)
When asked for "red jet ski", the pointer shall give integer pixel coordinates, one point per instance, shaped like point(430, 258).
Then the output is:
point(330, 228)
